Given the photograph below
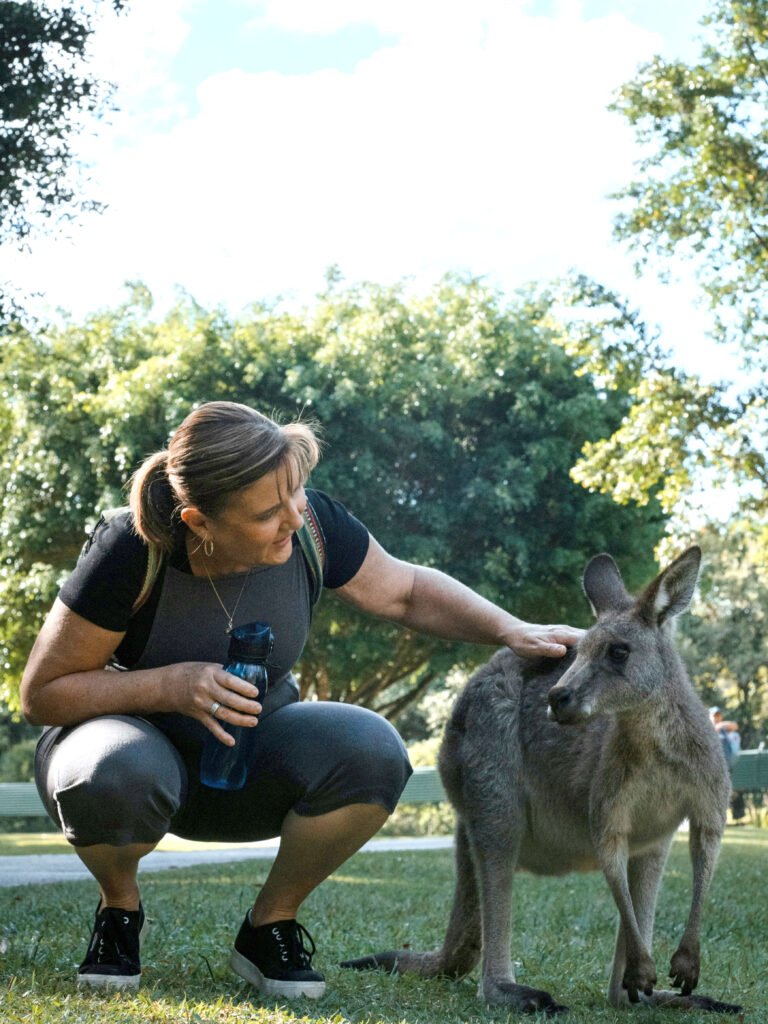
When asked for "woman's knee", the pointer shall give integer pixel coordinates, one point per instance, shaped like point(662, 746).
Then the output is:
point(366, 762)
point(114, 779)
point(380, 756)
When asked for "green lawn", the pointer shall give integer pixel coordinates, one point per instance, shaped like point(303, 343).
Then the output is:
point(563, 942)
point(17, 844)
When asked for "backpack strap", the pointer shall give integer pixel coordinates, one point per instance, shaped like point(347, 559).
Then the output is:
point(312, 541)
point(154, 561)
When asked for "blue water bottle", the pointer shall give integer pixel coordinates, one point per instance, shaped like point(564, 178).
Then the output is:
point(223, 767)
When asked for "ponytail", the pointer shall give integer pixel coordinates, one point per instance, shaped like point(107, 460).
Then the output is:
point(153, 502)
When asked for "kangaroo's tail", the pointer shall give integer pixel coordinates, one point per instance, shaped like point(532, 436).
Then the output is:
point(462, 944)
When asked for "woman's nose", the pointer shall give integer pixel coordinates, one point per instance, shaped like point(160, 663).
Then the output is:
point(296, 514)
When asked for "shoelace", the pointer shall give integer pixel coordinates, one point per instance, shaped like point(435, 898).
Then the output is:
point(301, 952)
point(106, 941)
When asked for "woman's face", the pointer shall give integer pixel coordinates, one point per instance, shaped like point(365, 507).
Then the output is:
point(257, 524)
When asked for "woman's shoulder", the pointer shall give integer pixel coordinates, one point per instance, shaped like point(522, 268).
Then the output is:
point(346, 538)
point(115, 530)
point(109, 573)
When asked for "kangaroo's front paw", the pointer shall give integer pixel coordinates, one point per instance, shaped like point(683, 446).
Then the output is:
point(684, 969)
point(639, 976)
point(519, 997)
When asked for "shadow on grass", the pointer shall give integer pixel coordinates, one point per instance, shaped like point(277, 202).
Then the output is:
point(563, 940)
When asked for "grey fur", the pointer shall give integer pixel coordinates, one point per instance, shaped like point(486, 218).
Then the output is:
point(587, 763)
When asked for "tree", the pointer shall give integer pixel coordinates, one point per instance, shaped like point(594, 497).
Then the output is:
point(46, 92)
point(703, 189)
point(725, 641)
point(701, 193)
point(451, 421)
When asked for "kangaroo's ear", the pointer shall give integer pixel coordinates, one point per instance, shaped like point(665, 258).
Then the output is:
point(604, 586)
point(672, 590)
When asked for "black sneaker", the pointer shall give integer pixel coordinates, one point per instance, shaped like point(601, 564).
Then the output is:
point(275, 960)
point(112, 960)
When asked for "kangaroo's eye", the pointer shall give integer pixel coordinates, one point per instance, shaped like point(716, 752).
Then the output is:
point(618, 653)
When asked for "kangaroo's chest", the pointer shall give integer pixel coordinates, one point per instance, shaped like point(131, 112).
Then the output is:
point(643, 800)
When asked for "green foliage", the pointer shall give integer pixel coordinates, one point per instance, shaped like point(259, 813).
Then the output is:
point(451, 419)
point(17, 764)
point(726, 641)
point(17, 742)
point(701, 193)
point(46, 95)
point(677, 431)
point(703, 187)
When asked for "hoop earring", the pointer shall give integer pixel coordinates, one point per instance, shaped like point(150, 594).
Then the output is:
point(208, 547)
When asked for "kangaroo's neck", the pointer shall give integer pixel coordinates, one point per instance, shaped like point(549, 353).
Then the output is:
point(659, 723)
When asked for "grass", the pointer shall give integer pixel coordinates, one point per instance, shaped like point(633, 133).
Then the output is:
point(563, 943)
point(17, 844)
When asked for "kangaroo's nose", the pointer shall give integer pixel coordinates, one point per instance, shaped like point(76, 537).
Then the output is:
point(559, 699)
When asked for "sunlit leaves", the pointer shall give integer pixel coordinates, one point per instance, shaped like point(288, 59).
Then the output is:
point(451, 421)
point(47, 93)
point(726, 640)
point(702, 189)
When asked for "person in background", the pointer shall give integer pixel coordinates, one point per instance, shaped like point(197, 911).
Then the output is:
point(130, 683)
point(731, 740)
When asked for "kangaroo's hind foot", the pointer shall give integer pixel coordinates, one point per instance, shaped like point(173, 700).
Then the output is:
point(518, 997)
point(677, 1001)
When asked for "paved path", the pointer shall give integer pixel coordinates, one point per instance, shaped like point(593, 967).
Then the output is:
point(66, 867)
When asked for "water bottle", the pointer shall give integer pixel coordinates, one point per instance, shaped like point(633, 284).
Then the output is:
point(223, 767)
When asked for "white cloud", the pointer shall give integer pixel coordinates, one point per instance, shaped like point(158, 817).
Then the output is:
point(479, 141)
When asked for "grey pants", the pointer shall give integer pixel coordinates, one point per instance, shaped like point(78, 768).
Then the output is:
point(121, 779)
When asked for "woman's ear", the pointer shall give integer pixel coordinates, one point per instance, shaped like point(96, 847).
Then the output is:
point(195, 520)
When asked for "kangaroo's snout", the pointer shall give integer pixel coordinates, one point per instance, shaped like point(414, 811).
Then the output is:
point(565, 707)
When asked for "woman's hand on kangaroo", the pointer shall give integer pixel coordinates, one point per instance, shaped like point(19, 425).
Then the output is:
point(532, 641)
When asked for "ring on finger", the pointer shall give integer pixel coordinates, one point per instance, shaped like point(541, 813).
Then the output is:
point(214, 708)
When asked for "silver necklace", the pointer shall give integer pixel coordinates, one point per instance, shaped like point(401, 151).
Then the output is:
point(230, 616)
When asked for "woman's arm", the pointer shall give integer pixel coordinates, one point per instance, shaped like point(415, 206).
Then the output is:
point(65, 681)
point(429, 601)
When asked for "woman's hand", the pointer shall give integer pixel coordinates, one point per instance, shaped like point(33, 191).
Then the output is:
point(197, 687)
point(532, 641)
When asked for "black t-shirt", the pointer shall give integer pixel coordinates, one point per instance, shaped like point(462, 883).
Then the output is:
point(108, 577)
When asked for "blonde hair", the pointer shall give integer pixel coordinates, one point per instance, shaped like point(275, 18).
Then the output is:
point(219, 449)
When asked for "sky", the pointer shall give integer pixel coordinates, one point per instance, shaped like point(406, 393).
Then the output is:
point(259, 142)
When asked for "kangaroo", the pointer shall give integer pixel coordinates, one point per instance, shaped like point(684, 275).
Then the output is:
point(588, 763)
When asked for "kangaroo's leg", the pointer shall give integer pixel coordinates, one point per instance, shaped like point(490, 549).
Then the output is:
point(644, 877)
point(462, 943)
point(704, 845)
point(461, 947)
point(613, 855)
point(495, 841)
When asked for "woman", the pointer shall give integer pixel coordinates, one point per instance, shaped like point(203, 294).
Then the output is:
point(218, 514)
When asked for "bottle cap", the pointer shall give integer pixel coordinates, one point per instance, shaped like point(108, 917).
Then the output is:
point(252, 642)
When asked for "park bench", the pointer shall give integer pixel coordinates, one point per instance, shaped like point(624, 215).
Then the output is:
point(749, 775)
point(21, 799)
point(750, 772)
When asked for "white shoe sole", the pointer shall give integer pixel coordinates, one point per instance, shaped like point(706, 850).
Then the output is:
point(271, 987)
point(116, 981)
